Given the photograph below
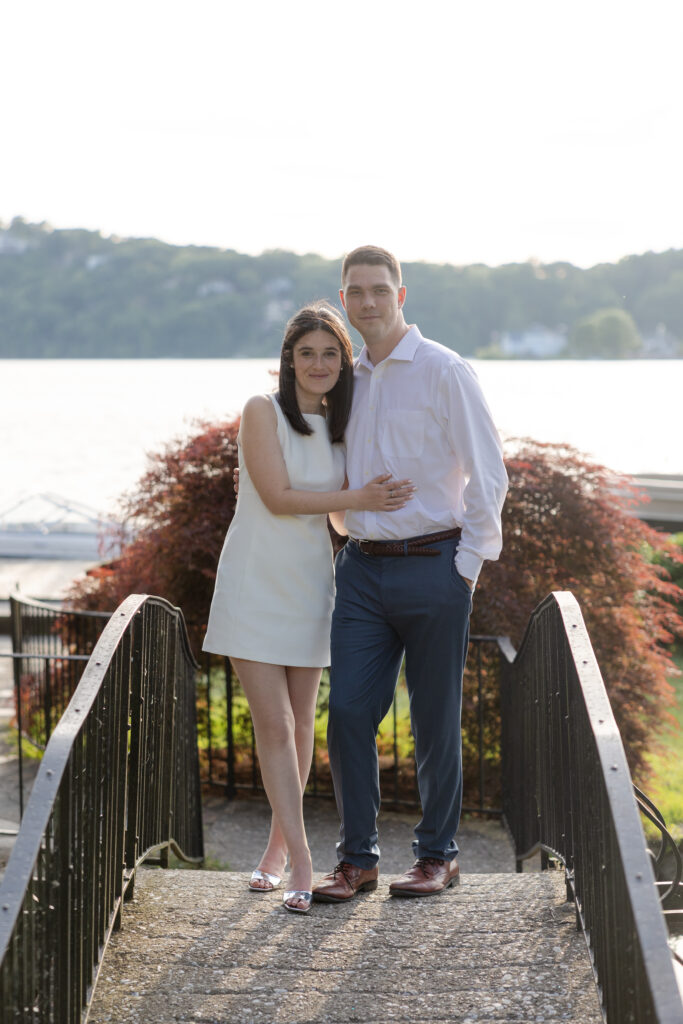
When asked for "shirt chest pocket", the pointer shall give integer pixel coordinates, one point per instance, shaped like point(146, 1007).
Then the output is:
point(403, 434)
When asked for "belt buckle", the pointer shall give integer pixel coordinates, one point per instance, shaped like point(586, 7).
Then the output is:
point(365, 546)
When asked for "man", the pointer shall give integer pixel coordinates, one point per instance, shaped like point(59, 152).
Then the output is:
point(405, 579)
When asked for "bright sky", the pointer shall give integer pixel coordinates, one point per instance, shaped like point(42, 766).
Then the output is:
point(480, 131)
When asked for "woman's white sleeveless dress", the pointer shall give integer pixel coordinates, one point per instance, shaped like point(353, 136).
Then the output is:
point(274, 589)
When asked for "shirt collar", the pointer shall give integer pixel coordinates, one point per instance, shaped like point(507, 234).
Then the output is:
point(404, 351)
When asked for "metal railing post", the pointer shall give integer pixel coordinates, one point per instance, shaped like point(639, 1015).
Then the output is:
point(209, 728)
point(135, 746)
point(17, 645)
point(230, 737)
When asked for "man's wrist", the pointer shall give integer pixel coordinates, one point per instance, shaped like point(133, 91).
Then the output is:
point(468, 566)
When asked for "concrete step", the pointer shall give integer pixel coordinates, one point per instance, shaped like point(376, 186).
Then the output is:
point(198, 947)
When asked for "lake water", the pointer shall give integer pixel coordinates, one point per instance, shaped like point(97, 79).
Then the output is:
point(82, 428)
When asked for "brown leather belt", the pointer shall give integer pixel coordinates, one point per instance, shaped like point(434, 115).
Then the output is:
point(411, 546)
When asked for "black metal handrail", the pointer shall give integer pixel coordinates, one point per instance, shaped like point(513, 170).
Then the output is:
point(46, 628)
point(567, 792)
point(668, 887)
point(119, 780)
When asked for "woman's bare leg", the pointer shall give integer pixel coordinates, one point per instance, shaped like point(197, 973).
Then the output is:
point(302, 684)
point(282, 704)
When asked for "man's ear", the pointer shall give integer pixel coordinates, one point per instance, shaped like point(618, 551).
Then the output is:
point(401, 295)
point(341, 296)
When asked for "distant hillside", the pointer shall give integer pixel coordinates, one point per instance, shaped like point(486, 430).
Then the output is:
point(76, 294)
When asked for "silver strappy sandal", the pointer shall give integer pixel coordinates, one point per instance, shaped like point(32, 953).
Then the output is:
point(297, 894)
point(273, 881)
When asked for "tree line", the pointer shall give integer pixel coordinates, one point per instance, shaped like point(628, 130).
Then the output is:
point(77, 294)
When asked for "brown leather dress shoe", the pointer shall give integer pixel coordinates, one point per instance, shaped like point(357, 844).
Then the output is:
point(427, 876)
point(344, 882)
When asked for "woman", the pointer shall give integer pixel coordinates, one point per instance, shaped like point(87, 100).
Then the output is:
point(274, 590)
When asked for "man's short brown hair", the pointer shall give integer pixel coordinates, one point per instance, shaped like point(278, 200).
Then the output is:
point(374, 256)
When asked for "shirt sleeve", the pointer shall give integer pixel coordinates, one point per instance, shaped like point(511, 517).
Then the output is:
point(478, 452)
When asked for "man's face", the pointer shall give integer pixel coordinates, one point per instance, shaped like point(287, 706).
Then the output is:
point(373, 302)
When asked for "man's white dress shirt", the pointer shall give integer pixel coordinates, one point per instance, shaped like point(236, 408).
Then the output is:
point(420, 414)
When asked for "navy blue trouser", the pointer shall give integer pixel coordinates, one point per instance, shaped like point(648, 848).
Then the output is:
point(384, 606)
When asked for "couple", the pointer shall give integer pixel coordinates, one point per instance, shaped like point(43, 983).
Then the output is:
point(418, 486)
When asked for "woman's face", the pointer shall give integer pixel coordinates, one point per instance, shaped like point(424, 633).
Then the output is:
point(317, 364)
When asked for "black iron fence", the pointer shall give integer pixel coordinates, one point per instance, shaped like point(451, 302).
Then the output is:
point(50, 644)
point(50, 647)
point(228, 748)
point(567, 792)
point(118, 781)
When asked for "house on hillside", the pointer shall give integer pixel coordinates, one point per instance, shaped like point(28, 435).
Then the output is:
point(11, 245)
point(534, 342)
point(661, 344)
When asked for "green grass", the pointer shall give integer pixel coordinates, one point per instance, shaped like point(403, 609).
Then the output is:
point(30, 751)
point(665, 785)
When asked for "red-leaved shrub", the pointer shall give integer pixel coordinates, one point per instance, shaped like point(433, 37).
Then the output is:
point(568, 525)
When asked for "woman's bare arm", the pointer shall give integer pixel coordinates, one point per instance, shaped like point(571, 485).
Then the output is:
point(266, 465)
